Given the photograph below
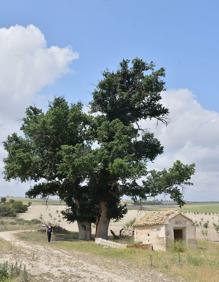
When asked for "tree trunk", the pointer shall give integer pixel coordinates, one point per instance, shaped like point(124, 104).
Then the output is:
point(84, 230)
point(103, 221)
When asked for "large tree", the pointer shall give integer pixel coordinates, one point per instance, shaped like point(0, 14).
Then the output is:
point(36, 156)
point(93, 160)
point(123, 150)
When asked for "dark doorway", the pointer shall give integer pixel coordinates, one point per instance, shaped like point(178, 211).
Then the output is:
point(178, 234)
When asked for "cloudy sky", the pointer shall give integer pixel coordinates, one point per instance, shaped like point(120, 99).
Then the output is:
point(51, 48)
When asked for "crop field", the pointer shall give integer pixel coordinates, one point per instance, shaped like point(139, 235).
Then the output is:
point(202, 207)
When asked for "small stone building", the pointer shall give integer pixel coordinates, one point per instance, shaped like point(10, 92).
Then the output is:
point(161, 228)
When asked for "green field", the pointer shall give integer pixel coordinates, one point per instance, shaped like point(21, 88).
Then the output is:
point(191, 207)
point(202, 207)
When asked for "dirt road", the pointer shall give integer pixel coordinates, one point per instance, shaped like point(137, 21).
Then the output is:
point(48, 264)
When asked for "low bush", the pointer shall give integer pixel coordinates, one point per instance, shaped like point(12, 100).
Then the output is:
point(19, 207)
point(11, 208)
point(179, 247)
point(7, 210)
point(35, 221)
point(3, 199)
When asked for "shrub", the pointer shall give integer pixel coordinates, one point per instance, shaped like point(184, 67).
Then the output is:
point(35, 221)
point(11, 271)
point(179, 246)
point(6, 210)
point(59, 229)
point(11, 208)
point(19, 207)
point(4, 272)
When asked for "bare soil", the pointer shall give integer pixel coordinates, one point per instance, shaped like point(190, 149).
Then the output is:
point(48, 264)
point(52, 213)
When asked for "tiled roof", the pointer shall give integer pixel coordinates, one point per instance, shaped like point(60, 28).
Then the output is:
point(155, 217)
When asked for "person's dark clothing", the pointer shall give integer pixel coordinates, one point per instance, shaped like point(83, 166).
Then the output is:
point(49, 233)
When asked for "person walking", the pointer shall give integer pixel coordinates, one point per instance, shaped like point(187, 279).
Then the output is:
point(49, 232)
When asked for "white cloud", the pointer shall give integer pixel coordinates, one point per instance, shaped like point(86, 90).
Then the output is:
point(191, 136)
point(27, 65)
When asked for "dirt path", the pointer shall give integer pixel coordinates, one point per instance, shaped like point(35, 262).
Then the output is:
point(48, 264)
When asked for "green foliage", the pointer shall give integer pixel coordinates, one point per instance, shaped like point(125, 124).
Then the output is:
point(38, 155)
point(202, 207)
point(91, 160)
point(6, 210)
point(131, 93)
point(3, 199)
point(122, 98)
point(170, 181)
point(11, 208)
point(179, 246)
point(10, 271)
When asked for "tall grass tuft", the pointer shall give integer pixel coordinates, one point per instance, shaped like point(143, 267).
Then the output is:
point(9, 271)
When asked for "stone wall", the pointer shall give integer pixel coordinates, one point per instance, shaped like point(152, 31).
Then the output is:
point(162, 236)
point(154, 235)
point(180, 222)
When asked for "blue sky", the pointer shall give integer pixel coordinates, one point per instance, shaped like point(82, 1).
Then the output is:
point(181, 36)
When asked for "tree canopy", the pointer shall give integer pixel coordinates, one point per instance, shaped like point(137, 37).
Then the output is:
point(91, 160)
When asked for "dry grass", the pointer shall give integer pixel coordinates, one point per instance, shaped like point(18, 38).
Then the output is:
point(8, 251)
point(4, 246)
point(37, 201)
point(201, 264)
point(14, 223)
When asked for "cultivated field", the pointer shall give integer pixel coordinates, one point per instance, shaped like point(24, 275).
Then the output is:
point(202, 207)
point(205, 222)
